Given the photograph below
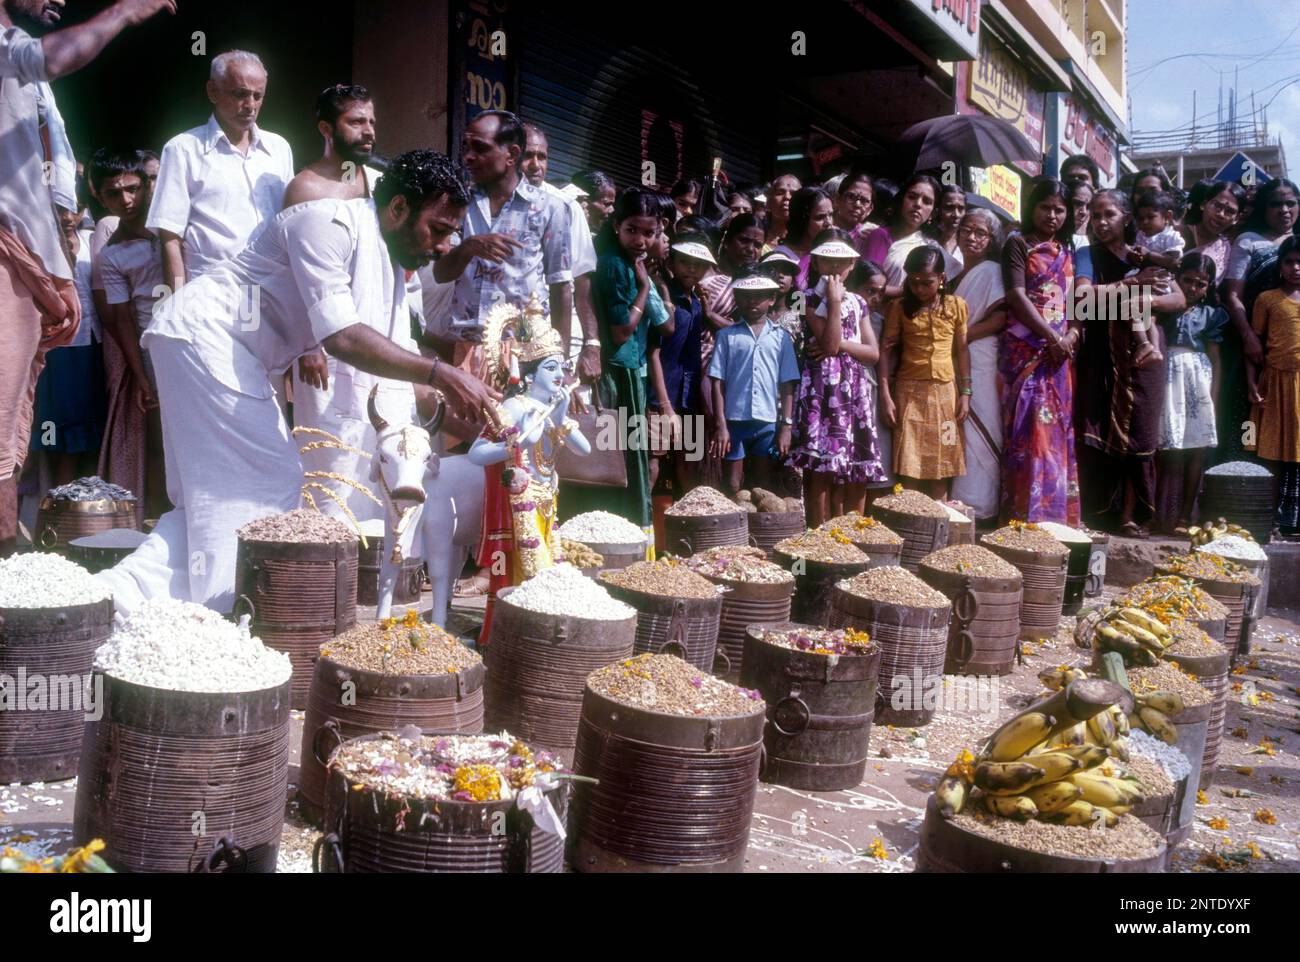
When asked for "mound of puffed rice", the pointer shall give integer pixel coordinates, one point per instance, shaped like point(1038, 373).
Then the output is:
point(1173, 761)
point(564, 590)
point(1064, 533)
point(300, 527)
point(1235, 547)
point(179, 646)
point(704, 501)
point(1240, 469)
point(41, 580)
point(601, 527)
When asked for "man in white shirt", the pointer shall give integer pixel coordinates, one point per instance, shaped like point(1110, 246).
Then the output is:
point(585, 342)
point(328, 272)
point(39, 309)
point(220, 184)
point(330, 394)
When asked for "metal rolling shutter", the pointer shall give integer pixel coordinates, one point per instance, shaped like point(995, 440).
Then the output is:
point(608, 106)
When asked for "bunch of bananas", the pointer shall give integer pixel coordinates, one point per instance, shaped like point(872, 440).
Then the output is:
point(1204, 534)
point(1137, 635)
point(1151, 714)
point(1036, 766)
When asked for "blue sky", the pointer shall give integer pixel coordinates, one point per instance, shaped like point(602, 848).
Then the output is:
point(1206, 37)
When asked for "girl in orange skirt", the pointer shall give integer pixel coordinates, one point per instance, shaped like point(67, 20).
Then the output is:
point(1275, 389)
point(921, 398)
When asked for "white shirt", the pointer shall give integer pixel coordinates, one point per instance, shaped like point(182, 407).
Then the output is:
point(317, 268)
point(89, 332)
point(130, 272)
point(215, 198)
point(583, 252)
point(26, 203)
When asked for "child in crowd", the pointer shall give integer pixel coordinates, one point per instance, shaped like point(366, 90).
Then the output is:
point(926, 332)
point(784, 269)
point(868, 281)
point(627, 305)
point(1192, 340)
point(754, 374)
point(1274, 387)
point(129, 271)
point(836, 406)
point(70, 405)
point(674, 361)
point(1158, 242)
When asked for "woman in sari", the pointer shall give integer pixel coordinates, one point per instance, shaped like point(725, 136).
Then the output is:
point(1252, 268)
point(1040, 479)
point(1122, 362)
point(980, 286)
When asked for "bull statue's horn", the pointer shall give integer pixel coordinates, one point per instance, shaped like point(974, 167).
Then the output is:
point(378, 423)
point(434, 424)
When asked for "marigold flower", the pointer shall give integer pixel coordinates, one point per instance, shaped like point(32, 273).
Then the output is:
point(1265, 817)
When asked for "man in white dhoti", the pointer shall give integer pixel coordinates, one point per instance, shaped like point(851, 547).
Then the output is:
point(313, 277)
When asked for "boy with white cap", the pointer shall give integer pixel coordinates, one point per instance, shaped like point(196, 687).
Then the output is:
point(754, 372)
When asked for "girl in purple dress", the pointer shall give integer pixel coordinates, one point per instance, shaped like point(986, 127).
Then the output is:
point(835, 408)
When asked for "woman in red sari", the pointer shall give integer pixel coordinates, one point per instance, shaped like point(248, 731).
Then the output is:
point(1040, 480)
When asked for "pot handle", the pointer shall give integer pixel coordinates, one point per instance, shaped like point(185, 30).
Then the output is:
point(674, 647)
point(791, 703)
point(48, 537)
point(252, 609)
point(330, 728)
point(227, 851)
point(335, 854)
point(718, 653)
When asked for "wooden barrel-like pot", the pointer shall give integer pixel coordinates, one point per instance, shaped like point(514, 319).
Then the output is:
point(819, 714)
point(913, 644)
point(961, 531)
point(410, 575)
point(1233, 595)
point(537, 667)
point(1077, 566)
point(767, 528)
point(60, 521)
point(1212, 674)
point(685, 535)
point(674, 793)
point(948, 847)
point(814, 585)
point(882, 555)
point(744, 604)
point(179, 781)
point(1044, 588)
point(1161, 813)
point(99, 552)
point(985, 626)
point(1247, 500)
point(48, 644)
point(686, 627)
point(369, 832)
point(347, 703)
point(298, 596)
point(921, 535)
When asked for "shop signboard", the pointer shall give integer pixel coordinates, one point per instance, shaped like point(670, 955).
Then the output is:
point(1000, 86)
point(1000, 186)
point(959, 20)
point(1079, 131)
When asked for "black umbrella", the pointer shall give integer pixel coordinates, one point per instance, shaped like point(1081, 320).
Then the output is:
point(974, 140)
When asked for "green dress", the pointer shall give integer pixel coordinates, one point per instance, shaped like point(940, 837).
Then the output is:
point(622, 391)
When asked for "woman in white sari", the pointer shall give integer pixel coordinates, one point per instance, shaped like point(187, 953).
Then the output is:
point(980, 286)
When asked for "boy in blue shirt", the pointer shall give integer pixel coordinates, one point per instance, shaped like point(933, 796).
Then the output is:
point(754, 372)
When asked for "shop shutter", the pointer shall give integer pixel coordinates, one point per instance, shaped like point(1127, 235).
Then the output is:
point(609, 106)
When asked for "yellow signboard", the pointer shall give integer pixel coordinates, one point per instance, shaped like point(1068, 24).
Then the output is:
point(1000, 185)
point(1000, 87)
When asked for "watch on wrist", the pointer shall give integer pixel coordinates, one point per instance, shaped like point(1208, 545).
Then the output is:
point(787, 422)
point(591, 342)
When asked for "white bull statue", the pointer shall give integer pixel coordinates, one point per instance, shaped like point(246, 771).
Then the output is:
point(433, 507)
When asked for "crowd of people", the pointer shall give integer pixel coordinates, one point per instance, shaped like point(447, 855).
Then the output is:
point(1081, 363)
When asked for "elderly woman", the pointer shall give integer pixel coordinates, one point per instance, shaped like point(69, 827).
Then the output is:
point(980, 239)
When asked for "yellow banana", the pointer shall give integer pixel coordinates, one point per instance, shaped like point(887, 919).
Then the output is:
point(1128, 646)
point(1089, 756)
point(1120, 720)
point(950, 794)
point(1054, 765)
point(1018, 736)
point(1143, 619)
point(1165, 702)
point(1118, 749)
point(1157, 724)
point(1055, 796)
point(1076, 813)
point(1072, 736)
point(1100, 790)
point(1007, 778)
point(1102, 727)
point(1014, 806)
point(1109, 816)
point(1137, 633)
